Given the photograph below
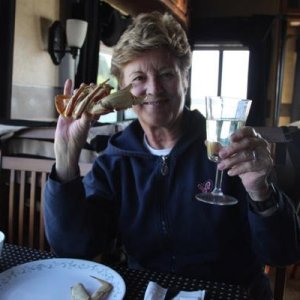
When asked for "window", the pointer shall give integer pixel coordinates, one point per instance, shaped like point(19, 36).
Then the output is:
point(105, 55)
point(220, 70)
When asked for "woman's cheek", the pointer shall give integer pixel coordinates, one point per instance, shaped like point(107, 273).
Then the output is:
point(138, 90)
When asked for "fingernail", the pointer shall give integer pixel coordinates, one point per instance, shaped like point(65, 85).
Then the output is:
point(221, 166)
point(222, 154)
point(230, 172)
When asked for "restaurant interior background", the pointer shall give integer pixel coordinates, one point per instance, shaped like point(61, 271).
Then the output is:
point(265, 32)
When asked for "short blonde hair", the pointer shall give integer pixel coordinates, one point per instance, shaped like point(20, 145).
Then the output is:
point(150, 31)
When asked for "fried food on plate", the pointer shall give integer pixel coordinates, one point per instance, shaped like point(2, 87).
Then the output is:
point(103, 290)
point(79, 292)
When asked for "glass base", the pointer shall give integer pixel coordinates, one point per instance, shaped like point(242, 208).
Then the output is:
point(216, 199)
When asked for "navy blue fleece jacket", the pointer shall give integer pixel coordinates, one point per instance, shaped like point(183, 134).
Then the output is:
point(148, 203)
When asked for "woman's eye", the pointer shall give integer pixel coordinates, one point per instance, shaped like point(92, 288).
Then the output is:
point(138, 78)
point(167, 74)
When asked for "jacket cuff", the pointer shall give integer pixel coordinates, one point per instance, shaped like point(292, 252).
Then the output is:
point(54, 177)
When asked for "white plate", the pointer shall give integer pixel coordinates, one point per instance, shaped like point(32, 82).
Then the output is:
point(51, 279)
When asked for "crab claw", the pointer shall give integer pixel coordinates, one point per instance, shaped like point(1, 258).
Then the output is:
point(119, 100)
point(95, 100)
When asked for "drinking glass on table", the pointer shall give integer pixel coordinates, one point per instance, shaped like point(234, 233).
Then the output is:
point(224, 116)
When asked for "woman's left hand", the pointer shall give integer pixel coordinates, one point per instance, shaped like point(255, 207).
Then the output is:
point(249, 157)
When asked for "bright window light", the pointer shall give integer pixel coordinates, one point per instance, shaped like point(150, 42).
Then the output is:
point(205, 79)
point(235, 74)
point(105, 54)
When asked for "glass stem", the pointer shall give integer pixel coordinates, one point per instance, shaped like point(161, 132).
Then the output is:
point(218, 183)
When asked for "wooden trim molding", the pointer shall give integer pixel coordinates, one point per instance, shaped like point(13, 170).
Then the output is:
point(179, 8)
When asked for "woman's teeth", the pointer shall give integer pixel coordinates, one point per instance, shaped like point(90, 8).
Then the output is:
point(154, 102)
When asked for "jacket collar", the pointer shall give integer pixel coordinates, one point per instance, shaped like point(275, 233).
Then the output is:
point(130, 141)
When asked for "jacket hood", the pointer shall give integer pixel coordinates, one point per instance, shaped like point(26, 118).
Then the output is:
point(130, 141)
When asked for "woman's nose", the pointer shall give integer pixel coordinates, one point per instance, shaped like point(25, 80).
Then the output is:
point(154, 86)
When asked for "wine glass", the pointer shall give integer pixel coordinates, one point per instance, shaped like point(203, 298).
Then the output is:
point(224, 116)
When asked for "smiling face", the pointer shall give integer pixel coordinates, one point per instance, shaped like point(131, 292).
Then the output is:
point(156, 74)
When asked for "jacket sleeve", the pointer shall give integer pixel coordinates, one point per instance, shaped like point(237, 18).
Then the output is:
point(276, 238)
point(76, 225)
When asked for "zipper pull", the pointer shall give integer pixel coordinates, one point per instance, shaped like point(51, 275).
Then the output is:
point(164, 166)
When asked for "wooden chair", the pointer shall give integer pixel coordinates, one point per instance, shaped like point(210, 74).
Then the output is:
point(23, 181)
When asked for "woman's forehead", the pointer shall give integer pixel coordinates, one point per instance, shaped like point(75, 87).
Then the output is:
point(151, 60)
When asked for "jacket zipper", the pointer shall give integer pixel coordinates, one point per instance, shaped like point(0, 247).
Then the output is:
point(164, 165)
point(165, 171)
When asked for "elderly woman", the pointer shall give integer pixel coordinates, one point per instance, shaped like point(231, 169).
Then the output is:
point(141, 189)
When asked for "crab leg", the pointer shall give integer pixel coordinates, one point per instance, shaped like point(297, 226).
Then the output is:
point(119, 100)
point(97, 92)
point(61, 101)
point(74, 100)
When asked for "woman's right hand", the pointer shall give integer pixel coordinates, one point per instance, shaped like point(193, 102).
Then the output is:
point(70, 138)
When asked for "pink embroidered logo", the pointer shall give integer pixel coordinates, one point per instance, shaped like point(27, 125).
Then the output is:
point(206, 186)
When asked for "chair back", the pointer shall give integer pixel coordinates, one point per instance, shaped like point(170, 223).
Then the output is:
point(285, 141)
point(23, 181)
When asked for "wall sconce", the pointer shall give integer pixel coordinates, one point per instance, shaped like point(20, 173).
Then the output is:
point(61, 42)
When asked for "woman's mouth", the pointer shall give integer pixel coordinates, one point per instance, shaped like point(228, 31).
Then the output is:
point(154, 103)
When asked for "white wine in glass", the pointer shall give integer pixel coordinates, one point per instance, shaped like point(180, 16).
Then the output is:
point(224, 116)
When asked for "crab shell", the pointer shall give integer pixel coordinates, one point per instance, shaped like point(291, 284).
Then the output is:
point(119, 100)
point(95, 100)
